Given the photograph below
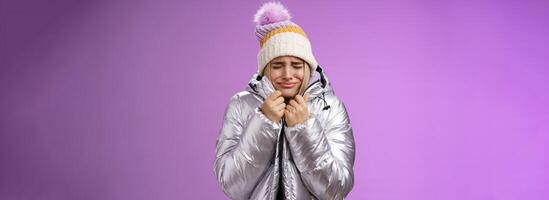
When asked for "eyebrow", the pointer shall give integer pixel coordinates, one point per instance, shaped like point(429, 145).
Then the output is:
point(281, 63)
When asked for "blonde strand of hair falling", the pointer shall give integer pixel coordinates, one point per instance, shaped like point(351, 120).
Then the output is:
point(306, 77)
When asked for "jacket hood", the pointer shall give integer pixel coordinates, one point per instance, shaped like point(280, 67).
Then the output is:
point(318, 85)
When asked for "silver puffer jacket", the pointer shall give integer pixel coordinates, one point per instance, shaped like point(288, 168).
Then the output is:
point(316, 156)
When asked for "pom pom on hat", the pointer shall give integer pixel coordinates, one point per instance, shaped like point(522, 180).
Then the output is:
point(279, 36)
point(271, 12)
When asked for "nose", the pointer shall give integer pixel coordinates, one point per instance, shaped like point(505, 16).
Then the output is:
point(287, 73)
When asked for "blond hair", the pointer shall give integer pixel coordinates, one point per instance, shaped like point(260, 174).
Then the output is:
point(306, 77)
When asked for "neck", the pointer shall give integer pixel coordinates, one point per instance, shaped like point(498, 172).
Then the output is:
point(287, 100)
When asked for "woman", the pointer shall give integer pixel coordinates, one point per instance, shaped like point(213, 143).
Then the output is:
point(287, 136)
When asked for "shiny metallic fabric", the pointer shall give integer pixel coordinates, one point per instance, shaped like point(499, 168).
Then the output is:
point(317, 156)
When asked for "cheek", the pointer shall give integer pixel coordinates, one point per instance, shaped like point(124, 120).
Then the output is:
point(273, 76)
point(299, 75)
point(275, 73)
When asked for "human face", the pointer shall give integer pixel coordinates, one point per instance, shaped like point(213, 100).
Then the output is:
point(286, 73)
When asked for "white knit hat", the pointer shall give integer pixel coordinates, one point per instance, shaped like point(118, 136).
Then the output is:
point(278, 36)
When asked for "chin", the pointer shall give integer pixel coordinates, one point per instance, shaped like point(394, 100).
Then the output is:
point(289, 94)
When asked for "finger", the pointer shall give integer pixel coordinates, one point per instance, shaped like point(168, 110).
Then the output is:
point(278, 100)
point(280, 107)
point(306, 97)
point(294, 103)
point(288, 114)
point(300, 99)
point(290, 107)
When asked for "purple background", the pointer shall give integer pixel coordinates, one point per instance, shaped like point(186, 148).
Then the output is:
point(124, 99)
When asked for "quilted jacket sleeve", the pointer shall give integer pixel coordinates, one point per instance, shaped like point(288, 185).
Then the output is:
point(244, 149)
point(324, 152)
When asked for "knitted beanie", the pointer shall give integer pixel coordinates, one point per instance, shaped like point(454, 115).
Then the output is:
point(278, 36)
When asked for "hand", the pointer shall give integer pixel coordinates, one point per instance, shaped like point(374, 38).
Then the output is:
point(273, 106)
point(297, 111)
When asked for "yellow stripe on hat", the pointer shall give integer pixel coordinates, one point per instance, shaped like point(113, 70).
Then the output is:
point(293, 29)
